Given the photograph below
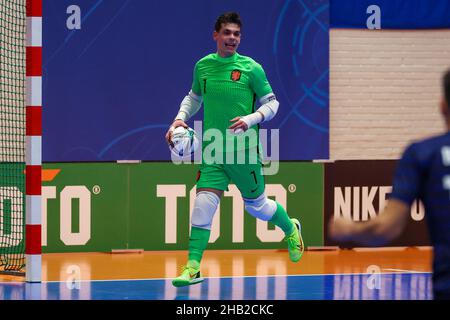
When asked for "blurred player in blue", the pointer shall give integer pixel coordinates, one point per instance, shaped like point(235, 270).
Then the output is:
point(422, 173)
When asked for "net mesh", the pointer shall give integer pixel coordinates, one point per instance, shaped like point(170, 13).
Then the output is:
point(12, 134)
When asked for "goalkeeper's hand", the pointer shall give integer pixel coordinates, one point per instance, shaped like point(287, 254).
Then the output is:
point(238, 126)
point(241, 124)
point(177, 123)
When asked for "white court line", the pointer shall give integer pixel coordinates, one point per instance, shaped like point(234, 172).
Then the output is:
point(394, 271)
point(405, 271)
point(260, 276)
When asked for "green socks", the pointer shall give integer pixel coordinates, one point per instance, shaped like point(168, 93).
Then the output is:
point(281, 219)
point(200, 237)
point(197, 244)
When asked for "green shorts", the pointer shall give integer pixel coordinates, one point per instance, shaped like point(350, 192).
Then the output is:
point(248, 178)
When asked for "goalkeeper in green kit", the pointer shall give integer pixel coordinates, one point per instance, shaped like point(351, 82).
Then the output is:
point(228, 84)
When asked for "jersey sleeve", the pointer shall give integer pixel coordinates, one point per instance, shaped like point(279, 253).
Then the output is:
point(258, 81)
point(407, 177)
point(196, 87)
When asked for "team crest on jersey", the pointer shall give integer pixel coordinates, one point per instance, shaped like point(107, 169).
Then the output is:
point(235, 75)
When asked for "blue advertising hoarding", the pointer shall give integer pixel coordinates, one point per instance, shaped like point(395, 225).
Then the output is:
point(115, 72)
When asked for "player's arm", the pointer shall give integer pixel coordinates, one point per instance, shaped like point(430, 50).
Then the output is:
point(266, 112)
point(188, 108)
point(390, 223)
point(190, 105)
point(269, 103)
point(379, 231)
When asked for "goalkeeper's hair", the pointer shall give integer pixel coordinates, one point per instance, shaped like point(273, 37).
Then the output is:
point(228, 17)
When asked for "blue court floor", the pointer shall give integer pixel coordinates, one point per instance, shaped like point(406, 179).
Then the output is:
point(384, 286)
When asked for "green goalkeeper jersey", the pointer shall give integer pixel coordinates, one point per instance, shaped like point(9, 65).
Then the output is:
point(230, 88)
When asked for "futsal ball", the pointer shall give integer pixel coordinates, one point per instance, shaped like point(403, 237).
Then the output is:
point(184, 141)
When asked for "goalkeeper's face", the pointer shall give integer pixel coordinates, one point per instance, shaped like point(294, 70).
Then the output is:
point(228, 39)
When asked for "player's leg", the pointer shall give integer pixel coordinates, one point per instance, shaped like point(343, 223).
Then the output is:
point(249, 179)
point(211, 181)
point(206, 202)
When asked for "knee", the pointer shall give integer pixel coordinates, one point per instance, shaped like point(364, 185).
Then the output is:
point(262, 207)
point(205, 206)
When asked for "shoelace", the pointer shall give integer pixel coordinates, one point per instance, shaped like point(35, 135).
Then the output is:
point(185, 267)
point(292, 241)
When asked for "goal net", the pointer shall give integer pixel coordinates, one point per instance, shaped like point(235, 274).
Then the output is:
point(13, 32)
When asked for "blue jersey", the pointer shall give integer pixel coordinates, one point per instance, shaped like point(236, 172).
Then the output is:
point(424, 173)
